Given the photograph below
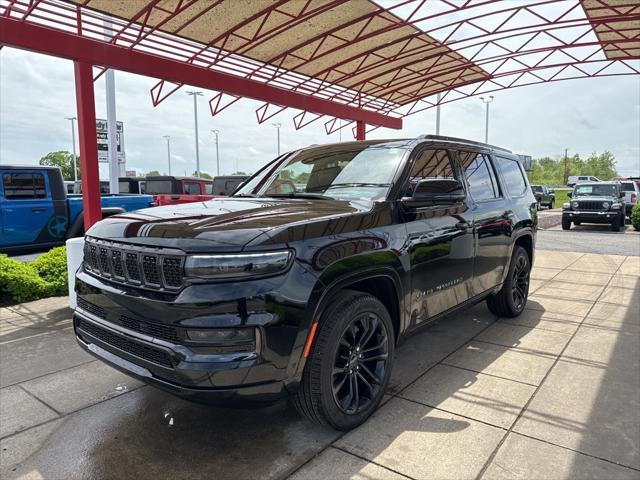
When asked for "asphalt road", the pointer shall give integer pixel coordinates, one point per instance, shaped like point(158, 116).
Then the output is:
point(590, 239)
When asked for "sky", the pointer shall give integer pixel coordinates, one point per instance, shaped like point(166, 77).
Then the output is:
point(37, 93)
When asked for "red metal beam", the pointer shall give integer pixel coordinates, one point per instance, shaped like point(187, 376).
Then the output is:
point(68, 45)
point(361, 130)
point(88, 145)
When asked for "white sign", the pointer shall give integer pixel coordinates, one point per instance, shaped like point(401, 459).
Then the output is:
point(103, 141)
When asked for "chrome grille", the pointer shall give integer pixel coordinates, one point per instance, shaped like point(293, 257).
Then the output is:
point(133, 265)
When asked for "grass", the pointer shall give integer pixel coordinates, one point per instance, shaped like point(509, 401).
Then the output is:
point(561, 196)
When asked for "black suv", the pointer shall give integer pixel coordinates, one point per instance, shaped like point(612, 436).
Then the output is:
point(265, 294)
point(600, 202)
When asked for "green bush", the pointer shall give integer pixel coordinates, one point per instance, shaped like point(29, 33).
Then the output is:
point(44, 277)
point(635, 217)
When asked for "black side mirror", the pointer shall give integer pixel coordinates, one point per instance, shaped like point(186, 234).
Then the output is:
point(436, 191)
point(569, 194)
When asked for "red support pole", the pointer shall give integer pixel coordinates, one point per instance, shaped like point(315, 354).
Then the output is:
point(88, 143)
point(361, 133)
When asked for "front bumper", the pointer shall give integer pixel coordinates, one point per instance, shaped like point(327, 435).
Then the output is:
point(590, 216)
point(163, 368)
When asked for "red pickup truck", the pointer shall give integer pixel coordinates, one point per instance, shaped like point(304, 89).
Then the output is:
point(170, 190)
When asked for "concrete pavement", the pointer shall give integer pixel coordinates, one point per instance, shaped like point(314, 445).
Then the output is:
point(552, 394)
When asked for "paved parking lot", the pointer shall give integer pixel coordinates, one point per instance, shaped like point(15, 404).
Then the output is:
point(553, 394)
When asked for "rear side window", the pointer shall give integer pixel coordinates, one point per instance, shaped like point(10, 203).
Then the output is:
point(208, 188)
point(479, 176)
point(23, 186)
point(513, 176)
point(627, 187)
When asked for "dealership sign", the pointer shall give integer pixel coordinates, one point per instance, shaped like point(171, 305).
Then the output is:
point(103, 141)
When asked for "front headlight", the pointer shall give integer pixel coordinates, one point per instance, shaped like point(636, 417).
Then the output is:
point(605, 205)
point(616, 206)
point(237, 265)
point(574, 205)
point(566, 205)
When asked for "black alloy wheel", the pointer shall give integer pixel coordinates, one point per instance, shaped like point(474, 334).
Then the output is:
point(348, 368)
point(520, 283)
point(512, 297)
point(360, 363)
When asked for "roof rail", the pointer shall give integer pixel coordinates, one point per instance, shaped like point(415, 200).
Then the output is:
point(462, 140)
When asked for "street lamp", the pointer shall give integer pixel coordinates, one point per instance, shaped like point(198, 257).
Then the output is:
point(73, 145)
point(168, 138)
point(486, 101)
point(216, 132)
point(278, 125)
point(195, 121)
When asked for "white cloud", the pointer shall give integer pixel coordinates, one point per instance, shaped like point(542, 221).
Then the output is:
point(37, 92)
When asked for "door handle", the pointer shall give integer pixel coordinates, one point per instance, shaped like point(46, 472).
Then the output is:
point(38, 209)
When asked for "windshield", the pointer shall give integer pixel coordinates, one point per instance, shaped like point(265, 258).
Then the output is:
point(347, 171)
point(596, 191)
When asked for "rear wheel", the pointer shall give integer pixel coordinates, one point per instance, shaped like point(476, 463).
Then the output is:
point(348, 369)
point(512, 297)
point(566, 224)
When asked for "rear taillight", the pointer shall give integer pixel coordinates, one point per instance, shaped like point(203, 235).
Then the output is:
point(633, 197)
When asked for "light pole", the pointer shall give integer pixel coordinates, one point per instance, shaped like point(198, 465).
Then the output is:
point(216, 132)
point(168, 138)
point(486, 101)
point(278, 125)
point(438, 114)
point(195, 121)
point(73, 146)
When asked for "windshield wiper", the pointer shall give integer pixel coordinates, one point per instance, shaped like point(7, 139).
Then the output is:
point(358, 184)
point(299, 195)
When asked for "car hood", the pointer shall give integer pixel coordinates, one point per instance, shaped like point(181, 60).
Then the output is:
point(222, 224)
point(594, 199)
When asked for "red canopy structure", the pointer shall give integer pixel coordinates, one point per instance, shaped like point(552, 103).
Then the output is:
point(371, 63)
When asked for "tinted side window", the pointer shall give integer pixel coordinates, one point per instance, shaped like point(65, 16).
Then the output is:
point(192, 188)
point(513, 176)
point(430, 164)
point(479, 176)
point(23, 186)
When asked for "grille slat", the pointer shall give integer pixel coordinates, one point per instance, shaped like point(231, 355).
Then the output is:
point(136, 266)
point(134, 348)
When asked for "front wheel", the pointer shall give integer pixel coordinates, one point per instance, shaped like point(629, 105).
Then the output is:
point(552, 205)
point(566, 224)
point(348, 369)
point(512, 297)
point(538, 205)
point(616, 224)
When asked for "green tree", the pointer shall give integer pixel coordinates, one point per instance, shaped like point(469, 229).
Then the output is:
point(204, 175)
point(62, 159)
point(547, 171)
point(153, 173)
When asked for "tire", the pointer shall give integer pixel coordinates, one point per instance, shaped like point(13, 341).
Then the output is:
point(316, 398)
point(552, 205)
point(616, 224)
point(566, 224)
point(538, 205)
point(512, 297)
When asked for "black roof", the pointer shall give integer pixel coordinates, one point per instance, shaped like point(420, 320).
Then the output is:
point(174, 177)
point(30, 167)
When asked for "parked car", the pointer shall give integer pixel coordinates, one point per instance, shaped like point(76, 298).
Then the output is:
point(574, 180)
point(631, 190)
point(226, 185)
point(257, 296)
point(545, 196)
point(104, 187)
point(601, 202)
point(69, 186)
point(36, 212)
point(171, 190)
point(132, 185)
